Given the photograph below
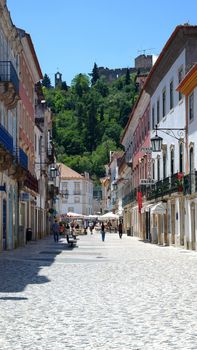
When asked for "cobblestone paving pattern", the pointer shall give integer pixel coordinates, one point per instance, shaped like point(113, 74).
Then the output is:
point(120, 294)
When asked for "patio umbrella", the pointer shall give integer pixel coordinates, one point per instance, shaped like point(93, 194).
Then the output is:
point(108, 216)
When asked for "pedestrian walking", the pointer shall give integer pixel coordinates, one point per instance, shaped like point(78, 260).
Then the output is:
point(55, 229)
point(103, 231)
point(120, 229)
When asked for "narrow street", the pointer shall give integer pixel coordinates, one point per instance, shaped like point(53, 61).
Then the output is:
point(118, 294)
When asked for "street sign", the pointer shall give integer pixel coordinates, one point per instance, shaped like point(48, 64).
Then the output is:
point(147, 182)
point(146, 149)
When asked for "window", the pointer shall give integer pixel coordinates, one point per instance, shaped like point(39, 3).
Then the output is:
point(158, 111)
point(191, 159)
point(180, 77)
point(171, 94)
point(164, 165)
point(71, 209)
point(77, 188)
point(77, 199)
point(164, 102)
point(191, 106)
point(153, 117)
point(158, 169)
point(181, 157)
point(65, 186)
point(172, 161)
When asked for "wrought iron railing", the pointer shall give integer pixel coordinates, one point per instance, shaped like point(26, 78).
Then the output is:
point(190, 183)
point(31, 182)
point(6, 140)
point(8, 74)
point(166, 186)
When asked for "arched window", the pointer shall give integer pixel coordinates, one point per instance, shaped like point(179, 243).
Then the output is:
point(158, 169)
point(164, 165)
point(181, 157)
point(191, 159)
point(172, 161)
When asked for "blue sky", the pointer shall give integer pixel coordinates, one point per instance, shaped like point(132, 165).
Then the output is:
point(70, 35)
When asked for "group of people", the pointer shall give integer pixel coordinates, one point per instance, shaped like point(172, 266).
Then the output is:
point(63, 229)
point(66, 228)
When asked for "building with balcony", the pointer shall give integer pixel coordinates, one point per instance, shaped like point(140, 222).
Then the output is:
point(168, 111)
point(10, 48)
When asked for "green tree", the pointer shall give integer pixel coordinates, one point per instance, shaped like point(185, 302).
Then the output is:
point(80, 84)
point(94, 74)
point(46, 81)
point(127, 77)
point(64, 86)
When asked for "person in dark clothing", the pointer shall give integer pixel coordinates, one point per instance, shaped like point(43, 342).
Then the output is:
point(103, 231)
point(120, 229)
point(55, 229)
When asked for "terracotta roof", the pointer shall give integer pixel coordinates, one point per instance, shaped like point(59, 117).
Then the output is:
point(68, 173)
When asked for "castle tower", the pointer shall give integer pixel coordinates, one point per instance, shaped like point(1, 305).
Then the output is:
point(58, 79)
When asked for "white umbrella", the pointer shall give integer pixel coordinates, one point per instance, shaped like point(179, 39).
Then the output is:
point(108, 216)
point(70, 214)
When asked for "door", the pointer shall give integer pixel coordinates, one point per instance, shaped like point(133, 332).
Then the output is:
point(173, 223)
point(4, 224)
point(148, 225)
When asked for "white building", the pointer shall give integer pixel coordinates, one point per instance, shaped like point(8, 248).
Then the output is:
point(167, 108)
point(76, 192)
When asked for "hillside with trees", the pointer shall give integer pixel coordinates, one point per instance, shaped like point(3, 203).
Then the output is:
point(89, 117)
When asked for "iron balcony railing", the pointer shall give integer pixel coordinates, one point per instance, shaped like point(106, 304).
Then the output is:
point(8, 74)
point(130, 197)
point(166, 186)
point(190, 183)
point(6, 140)
point(31, 182)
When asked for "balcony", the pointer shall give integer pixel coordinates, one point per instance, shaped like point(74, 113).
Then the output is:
point(52, 191)
point(190, 183)
point(166, 186)
point(6, 149)
point(31, 182)
point(9, 84)
point(19, 167)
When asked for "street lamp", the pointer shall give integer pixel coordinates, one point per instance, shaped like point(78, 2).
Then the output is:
point(156, 142)
point(53, 172)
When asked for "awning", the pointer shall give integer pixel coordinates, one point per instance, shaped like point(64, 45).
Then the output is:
point(147, 207)
point(159, 208)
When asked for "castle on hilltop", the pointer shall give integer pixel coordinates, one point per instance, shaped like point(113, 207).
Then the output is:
point(143, 65)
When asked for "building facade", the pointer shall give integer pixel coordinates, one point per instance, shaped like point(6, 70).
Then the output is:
point(76, 192)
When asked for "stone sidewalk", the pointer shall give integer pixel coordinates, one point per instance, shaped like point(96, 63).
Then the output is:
point(118, 294)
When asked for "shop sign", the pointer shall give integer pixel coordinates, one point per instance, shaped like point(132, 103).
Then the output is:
point(147, 182)
point(146, 149)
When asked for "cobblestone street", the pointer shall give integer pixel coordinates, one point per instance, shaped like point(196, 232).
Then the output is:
point(120, 294)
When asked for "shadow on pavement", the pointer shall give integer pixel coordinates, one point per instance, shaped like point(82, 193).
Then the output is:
point(21, 267)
